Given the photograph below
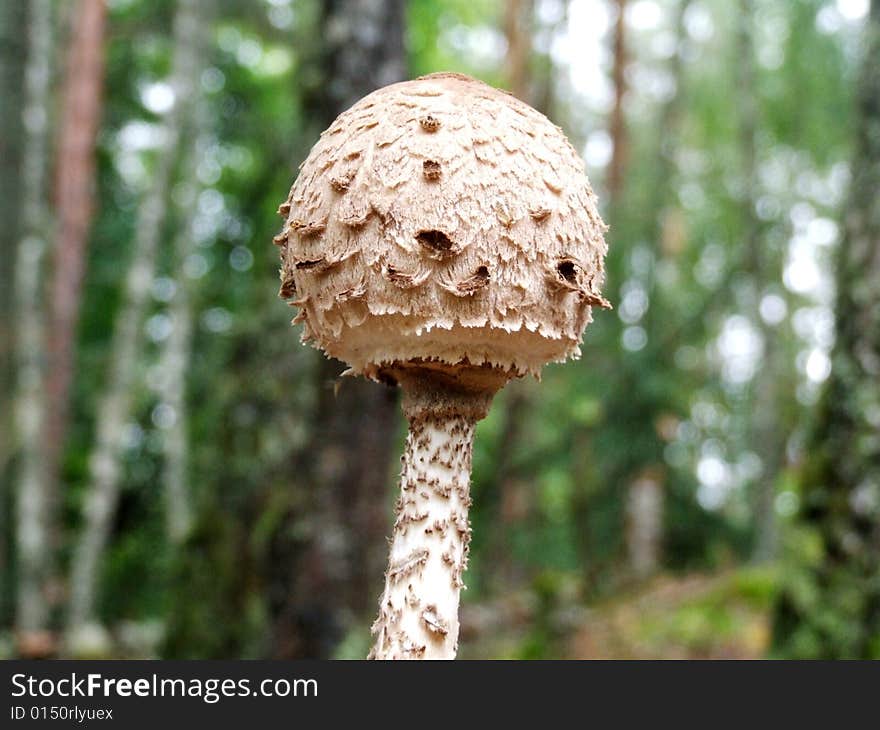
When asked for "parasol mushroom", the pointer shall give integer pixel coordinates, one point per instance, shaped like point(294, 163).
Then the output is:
point(441, 236)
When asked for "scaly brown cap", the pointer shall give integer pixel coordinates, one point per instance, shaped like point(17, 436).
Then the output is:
point(442, 220)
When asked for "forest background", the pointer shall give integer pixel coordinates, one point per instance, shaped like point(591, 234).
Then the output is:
point(179, 477)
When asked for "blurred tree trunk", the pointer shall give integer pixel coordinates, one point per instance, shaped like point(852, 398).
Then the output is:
point(175, 365)
point(115, 403)
point(644, 522)
point(767, 435)
point(618, 123)
point(668, 126)
point(517, 31)
point(13, 54)
point(544, 77)
point(317, 586)
point(75, 187)
point(33, 529)
point(176, 354)
point(177, 348)
point(12, 60)
point(831, 607)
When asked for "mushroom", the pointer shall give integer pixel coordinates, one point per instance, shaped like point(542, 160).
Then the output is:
point(441, 236)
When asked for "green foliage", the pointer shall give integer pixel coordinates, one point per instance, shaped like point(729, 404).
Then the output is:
point(454, 36)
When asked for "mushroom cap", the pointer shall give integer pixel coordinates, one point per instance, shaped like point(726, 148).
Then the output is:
point(442, 220)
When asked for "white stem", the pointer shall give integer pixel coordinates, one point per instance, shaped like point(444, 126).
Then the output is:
point(35, 513)
point(418, 610)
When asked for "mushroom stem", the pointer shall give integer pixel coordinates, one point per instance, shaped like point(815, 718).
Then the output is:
point(418, 610)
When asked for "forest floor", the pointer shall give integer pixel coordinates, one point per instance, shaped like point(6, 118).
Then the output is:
point(722, 615)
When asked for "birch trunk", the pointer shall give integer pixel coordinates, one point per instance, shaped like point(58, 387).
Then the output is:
point(33, 506)
point(114, 407)
point(175, 442)
point(418, 610)
point(176, 354)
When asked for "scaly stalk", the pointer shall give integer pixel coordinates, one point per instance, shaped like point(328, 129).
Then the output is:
point(418, 610)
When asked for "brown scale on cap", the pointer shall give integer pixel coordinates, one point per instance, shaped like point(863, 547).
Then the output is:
point(464, 219)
